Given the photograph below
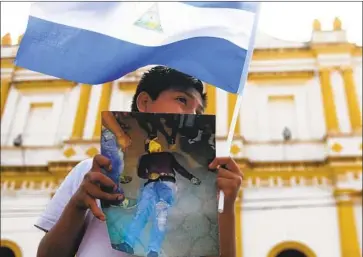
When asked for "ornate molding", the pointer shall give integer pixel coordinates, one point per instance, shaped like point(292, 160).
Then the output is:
point(255, 174)
point(321, 177)
point(46, 85)
point(34, 177)
point(282, 53)
point(7, 63)
point(130, 87)
point(338, 48)
point(331, 162)
point(343, 194)
point(261, 77)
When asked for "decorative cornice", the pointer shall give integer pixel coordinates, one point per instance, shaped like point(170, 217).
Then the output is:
point(255, 142)
point(344, 135)
point(34, 177)
point(129, 87)
point(50, 168)
point(82, 141)
point(336, 162)
point(46, 85)
point(318, 177)
point(7, 63)
point(291, 75)
point(334, 48)
point(282, 53)
point(347, 192)
point(323, 140)
point(255, 174)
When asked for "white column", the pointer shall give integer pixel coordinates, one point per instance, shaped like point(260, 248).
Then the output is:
point(262, 119)
point(116, 102)
point(68, 114)
point(301, 114)
point(315, 110)
point(340, 101)
point(92, 110)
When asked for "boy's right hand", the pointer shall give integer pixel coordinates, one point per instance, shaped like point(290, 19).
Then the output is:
point(89, 190)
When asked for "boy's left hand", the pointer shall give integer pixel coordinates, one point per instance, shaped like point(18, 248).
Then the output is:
point(229, 179)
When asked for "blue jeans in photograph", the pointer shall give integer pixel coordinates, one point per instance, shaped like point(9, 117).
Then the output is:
point(155, 201)
point(111, 150)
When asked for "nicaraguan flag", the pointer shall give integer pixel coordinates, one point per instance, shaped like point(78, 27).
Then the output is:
point(98, 42)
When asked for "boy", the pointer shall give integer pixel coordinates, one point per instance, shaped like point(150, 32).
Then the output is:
point(73, 219)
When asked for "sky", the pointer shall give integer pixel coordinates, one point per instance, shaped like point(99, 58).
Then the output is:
point(291, 21)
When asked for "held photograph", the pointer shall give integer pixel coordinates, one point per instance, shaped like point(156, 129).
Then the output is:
point(160, 165)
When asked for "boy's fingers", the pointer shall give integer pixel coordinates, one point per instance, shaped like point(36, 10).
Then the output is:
point(223, 173)
point(97, 212)
point(100, 161)
point(228, 162)
point(226, 184)
point(219, 161)
point(223, 183)
point(97, 193)
point(228, 174)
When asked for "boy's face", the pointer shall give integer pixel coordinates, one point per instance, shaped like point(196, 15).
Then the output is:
point(172, 101)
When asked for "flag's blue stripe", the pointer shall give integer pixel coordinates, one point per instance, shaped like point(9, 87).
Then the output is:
point(246, 6)
point(92, 58)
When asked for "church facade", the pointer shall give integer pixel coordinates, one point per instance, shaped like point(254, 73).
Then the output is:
point(298, 139)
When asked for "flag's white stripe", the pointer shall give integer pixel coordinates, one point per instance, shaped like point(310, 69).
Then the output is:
point(179, 21)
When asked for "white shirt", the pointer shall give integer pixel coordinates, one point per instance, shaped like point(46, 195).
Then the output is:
point(96, 241)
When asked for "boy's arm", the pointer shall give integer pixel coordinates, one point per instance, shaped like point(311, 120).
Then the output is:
point(65, 236)
point(64, 217)
point(60, 219)
point(229, 180)
point(227, 238)
point(227, 233)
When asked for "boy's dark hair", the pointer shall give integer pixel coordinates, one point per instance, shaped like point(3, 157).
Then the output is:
point(160, 78)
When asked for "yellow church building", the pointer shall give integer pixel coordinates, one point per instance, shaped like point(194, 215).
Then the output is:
point(298, 140)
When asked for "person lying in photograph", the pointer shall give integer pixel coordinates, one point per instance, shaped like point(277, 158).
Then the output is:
point(157, 196)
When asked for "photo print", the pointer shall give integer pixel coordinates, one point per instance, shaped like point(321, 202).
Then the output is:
point(160, 165)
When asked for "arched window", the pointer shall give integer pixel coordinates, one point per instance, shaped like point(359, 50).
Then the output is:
point(9, 249)
point(6, 252)
point(291, 253)
point(291, 249)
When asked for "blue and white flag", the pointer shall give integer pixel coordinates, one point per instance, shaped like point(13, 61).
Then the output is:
point(98, 42)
